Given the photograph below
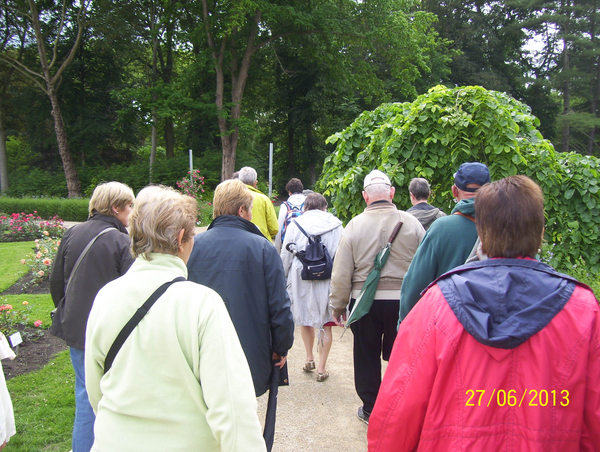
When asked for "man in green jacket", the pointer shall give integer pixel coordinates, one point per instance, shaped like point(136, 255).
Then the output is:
point(263, 212)
point(450, 239)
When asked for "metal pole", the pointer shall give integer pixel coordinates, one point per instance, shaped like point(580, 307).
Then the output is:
point(270, 169)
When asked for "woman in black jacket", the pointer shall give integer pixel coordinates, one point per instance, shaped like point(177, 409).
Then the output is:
point(90, 255)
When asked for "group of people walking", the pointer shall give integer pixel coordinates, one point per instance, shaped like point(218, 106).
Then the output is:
point(173, 336)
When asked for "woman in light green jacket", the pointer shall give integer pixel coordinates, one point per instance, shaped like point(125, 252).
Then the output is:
point(180, 382)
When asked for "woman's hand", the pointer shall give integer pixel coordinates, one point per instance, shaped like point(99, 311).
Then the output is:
point(281, 360)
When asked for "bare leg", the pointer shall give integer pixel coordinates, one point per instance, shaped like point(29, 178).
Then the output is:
point(325, 347)
point(308, 337)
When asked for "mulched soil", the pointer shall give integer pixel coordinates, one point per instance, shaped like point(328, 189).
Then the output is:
point(24, 285)
point(35, 352)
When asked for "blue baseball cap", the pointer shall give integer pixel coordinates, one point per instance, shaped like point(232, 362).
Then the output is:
point(471, 173)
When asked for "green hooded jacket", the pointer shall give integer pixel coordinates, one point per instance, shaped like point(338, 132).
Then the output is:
point(446, 245)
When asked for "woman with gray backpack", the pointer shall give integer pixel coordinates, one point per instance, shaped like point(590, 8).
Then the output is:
point(309, 289)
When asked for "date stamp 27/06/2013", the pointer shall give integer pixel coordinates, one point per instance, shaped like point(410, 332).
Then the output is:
point(512, 397)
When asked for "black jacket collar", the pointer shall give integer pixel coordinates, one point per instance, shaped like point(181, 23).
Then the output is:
point(110, 220)
point(233, 221)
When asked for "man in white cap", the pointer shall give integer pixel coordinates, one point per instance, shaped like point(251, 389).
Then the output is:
point(361, 240)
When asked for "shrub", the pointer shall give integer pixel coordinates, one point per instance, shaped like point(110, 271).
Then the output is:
point(194, 186)
point(432, 136)
point(67, 209)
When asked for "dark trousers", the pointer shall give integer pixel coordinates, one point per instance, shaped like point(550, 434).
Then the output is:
point(374, 336)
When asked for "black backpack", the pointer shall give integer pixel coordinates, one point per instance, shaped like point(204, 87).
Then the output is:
point(316, 261)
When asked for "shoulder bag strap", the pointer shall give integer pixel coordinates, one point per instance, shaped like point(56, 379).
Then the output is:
point(82, 255)
point(130, 326)
point(395, 232)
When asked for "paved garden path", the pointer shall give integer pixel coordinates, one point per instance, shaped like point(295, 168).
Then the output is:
point(315, 417)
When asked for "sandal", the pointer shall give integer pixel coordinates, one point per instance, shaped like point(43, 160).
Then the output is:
point(309, 366)
point(322, 377)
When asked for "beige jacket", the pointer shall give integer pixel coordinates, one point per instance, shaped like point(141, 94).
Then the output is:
point(361, 240)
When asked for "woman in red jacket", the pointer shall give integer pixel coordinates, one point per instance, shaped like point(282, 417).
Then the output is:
point(502, 354)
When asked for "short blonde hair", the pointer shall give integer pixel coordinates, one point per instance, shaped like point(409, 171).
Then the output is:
point(109, 194)
point(230, 195)
point(158, 215)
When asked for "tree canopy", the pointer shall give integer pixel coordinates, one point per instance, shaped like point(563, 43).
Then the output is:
point(432, 136)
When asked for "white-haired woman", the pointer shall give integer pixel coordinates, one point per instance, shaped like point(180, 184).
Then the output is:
point(310, 299)
point(180, 381)
point(90, 255)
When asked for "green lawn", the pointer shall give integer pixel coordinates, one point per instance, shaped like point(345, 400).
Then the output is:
point(44, 405)
point(11, 268)
point(43, 401)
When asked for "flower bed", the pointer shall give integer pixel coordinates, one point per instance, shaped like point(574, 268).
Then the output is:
point(21, 227)
point(12, 320)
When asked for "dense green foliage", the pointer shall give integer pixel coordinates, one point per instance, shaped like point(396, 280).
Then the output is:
point(432, 136)
point(166, 172)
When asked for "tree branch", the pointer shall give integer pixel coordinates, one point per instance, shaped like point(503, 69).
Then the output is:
point(80, 27)
point(25, 71)
point(58, 33)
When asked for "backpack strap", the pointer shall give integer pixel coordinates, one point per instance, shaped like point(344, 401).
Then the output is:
point(311, 239)
point(130, 326)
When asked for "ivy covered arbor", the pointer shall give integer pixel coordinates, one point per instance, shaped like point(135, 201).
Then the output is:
point(432, 136)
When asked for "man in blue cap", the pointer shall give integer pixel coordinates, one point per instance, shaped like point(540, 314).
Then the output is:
point(450, 239)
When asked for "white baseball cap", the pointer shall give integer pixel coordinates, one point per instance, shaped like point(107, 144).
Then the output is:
point(376, 177)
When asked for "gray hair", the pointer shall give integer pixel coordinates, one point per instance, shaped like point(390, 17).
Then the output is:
point(248, 175)
point(378, 190)
point(158, 215)
point(420, 188)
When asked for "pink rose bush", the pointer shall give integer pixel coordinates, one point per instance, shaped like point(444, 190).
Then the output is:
point(13, 320)
point(19, 227)
point(192, 186)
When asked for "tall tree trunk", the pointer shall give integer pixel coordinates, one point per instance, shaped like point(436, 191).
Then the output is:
point(291, 167)
point(596, 95)
point(153, 144)
point(154, 137)
point(595, 89)
point(3, 158)
point(73, 184)
point(167, 73)
point(239, 76)
point(169, 136)
point(566, 93)
point(312, 173)
point(52, 80)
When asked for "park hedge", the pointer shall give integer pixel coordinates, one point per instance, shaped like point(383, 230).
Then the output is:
point(46, 208)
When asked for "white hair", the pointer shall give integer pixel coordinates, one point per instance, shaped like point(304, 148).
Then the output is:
point(248, 175)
